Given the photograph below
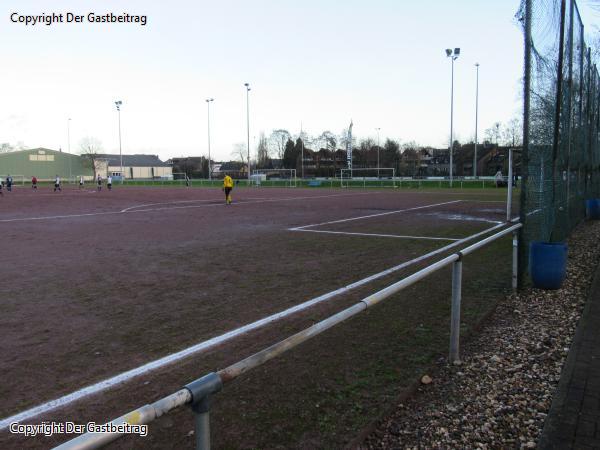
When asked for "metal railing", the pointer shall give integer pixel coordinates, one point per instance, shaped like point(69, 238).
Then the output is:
point(199, 392)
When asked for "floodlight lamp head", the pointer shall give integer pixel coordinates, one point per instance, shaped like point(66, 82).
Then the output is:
point(448, 52)
point(456, 51)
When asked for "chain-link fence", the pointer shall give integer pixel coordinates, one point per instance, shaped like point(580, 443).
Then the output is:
point(561, 148)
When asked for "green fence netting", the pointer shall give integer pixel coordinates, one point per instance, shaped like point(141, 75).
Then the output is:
point(561, 151)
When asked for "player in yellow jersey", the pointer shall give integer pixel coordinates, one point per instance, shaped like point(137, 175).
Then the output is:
point(227, 188)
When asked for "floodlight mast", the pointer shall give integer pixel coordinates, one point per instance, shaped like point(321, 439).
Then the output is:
point(378, 129)
point(118, 104)
point(69, 146)
point(302, 151)
point(208, 100)
point(452, 55)
point(248, 123)
point(476, 114)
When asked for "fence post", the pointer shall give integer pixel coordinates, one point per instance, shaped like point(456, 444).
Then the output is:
point(515, 259)
point(455, 314)
point(524, 195)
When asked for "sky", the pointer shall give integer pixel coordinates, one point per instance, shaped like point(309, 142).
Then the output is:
point(315, 64)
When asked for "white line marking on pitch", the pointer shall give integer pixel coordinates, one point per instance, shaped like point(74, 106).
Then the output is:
point(374, 215)
point(379, 235)
point(21, 219)
point(51, 194)
point(153, 365)
point(242, 202)
point(168, 203)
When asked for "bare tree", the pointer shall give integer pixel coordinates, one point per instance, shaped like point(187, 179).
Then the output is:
point(90, 146)
point(277, 141)
point(329, 140)
point(410, 158)
point(496, 129)
point(239, 152)
point(263, 160)
point(6, 147)
point(512, 132)
point(307, 139)
point(488, 135)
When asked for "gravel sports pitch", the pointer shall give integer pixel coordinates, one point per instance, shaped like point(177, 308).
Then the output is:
point(110, 300)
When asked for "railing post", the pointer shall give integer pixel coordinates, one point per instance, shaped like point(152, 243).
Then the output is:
point(202, 423)
point(455, 314)
point(202, 390)
point(515, 259)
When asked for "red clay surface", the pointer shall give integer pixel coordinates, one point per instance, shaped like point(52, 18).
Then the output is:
point(96, 283)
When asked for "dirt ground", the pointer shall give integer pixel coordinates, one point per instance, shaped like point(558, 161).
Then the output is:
point(96, 283)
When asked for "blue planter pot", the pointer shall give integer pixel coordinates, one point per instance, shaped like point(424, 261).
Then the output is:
point(548, 264)
point(592, 208)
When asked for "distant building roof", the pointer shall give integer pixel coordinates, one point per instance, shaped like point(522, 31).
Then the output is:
point(133, 160)
point(232, 165)
point(188, 158)
point(29, 150)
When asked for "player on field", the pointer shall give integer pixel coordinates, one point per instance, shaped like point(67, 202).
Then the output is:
point(109, 183)
point(81, 182)
point(499, 179)
point(57, 184)
point(99, 179)
point(1, 185)
point(9, 183)
point(227, 188)
point(33, 182)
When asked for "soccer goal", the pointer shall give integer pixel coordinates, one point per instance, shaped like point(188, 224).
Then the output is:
point(17, 179)
point(181, 178)
point(275, 177)
point(368, 177)
point(74, 179)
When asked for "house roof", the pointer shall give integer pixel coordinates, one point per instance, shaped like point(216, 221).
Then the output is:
point(37, 149)
point(232, 165)
point(133, 160)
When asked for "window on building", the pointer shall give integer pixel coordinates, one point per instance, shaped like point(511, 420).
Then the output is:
point(41, 157)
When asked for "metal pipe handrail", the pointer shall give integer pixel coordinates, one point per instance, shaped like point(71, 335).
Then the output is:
point(477, 245)
point(274, 350)
point(139, 416)
point(200, 390)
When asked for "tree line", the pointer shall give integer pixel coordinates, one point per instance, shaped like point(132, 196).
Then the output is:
point(327, 150)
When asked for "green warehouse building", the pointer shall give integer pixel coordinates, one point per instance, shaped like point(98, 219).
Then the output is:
point(44, 164)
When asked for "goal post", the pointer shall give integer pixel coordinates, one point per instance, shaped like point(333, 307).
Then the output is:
point(17, 179)
point(365, 177)
point(181, 178)
point(275, 177)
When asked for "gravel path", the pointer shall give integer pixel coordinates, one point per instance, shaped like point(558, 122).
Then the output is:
point(500, 394)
